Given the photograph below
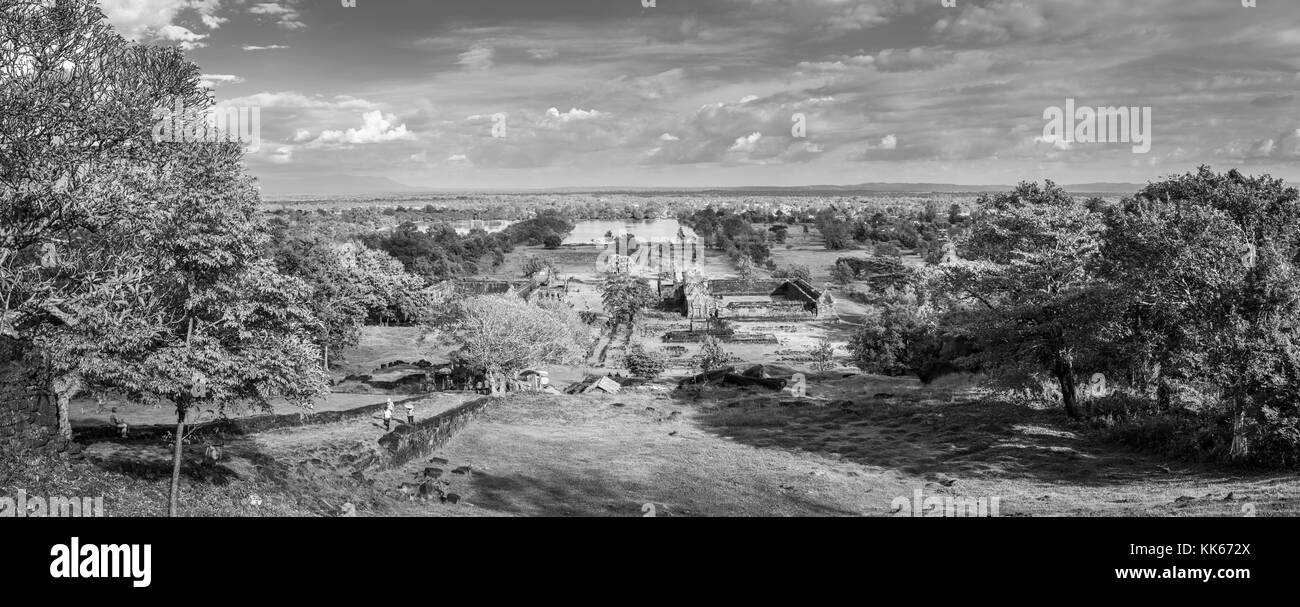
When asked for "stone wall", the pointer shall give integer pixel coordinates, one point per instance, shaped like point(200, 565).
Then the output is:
point(237, 426)
point(28, 416)
point(408, 442)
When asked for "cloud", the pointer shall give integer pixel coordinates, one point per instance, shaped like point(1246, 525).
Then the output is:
point(479, 57)
point(573, 114)
point(291, 99)
point(270, 47)
point(148, 20)
point(543, 54)
point(285, 13)
point(746, 143)
point(377, 128)
point(215, 80)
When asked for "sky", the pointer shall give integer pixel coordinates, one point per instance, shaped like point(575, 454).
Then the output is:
point(702, 93)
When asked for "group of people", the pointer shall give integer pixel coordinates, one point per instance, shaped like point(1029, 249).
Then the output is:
point(388, 414)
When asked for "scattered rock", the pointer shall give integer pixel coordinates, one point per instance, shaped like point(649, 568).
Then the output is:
point(438, 460)
point(1228, 497)
point(433, 473)
point(347, 510)
point(463, 470)
point(617, 405)
point(882, 395)
point(675, 415)
point(452, 498)
point(430, 490)
point(673, 433)
point(649, 408)
point(1182, 501)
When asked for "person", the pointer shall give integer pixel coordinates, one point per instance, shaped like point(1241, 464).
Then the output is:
point(117, 422)
point(410, 412)
point(388, 414)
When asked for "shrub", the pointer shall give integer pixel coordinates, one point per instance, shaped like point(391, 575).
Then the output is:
point(645, 363)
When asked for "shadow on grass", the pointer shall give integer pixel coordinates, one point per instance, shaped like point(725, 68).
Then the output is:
point(932, 439)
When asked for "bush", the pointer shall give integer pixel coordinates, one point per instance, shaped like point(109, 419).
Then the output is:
point(645, 363)
point(712, 356)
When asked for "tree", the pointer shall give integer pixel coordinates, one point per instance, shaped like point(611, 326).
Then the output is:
point(77, 171)
point(1205, 266)
point(208, 323)
point(505, 335)
point(1028, 286)
point(747, 269)
point(823, 355)
point(887, 342)
point(794, 272)
point(644, 363)
point(843, 273)
point(712, 355)
point(626, 296)
point(552, 241)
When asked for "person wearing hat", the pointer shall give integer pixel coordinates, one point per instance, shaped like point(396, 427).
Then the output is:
point(410, 412)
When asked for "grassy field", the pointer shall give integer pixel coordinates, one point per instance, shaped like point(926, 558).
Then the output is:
point(852, 448)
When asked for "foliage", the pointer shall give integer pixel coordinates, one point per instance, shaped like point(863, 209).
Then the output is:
point(502, 336)
point(823, 355)
point(712, 355)
point(645, 363)
point(625, 296)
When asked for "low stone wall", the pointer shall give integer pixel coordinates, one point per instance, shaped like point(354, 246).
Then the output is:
point(238, 426)
point(408, 442)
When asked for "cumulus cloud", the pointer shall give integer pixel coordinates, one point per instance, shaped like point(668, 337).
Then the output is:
point(377, 127)
point(572, 114)
point(746, 143)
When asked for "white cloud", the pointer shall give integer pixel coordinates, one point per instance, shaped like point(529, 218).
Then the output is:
point(377, 128)
point(573, 114)
point(285, 13)
point(746, 144)
point(291, 99)
point(270, 47)
point(215, 80)
point(149, 19)
point(669, 137)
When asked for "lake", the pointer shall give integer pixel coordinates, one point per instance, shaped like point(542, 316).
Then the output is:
point(593, 231)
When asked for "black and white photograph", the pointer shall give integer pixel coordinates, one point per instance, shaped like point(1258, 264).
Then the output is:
point(402, 259)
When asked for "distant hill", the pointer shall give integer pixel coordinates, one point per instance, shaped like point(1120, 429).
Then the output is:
point(332, 185)
point(354, 185)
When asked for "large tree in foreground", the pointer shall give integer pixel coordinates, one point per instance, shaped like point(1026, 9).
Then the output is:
point(76, 159)
point(130, 265)
point(1207, 266)
point(1026, 287)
